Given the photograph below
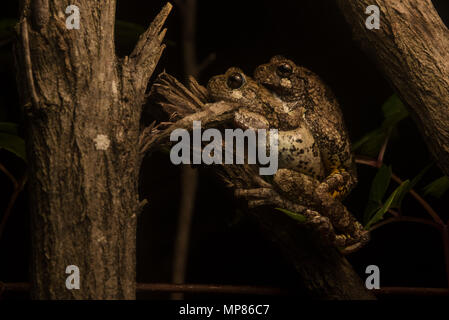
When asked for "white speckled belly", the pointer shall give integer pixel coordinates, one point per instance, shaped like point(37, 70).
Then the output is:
point(298, 151)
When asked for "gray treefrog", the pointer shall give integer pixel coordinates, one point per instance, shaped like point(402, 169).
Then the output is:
point(300, 160)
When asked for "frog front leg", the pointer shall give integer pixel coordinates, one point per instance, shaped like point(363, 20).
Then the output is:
point(246, 119)
point(339, 163)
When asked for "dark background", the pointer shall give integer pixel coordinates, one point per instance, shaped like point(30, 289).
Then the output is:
point(226, 248)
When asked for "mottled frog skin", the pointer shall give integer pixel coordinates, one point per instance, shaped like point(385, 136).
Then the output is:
point(297, 149)
point(300, 160)
point(309, 99)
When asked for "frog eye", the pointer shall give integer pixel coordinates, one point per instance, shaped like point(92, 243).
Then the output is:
point(284, 70)
point(235, 80)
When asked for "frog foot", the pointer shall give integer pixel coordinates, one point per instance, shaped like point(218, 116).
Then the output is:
point(348, 244)
point(315, 221)
point(345, 243)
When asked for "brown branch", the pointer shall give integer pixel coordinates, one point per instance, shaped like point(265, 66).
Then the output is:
point(412, 291)
point(411, 49)
point(206, 62)
point(394, 212)
point(406, 219)
point(145, 56)
point(233, 289)
point(209, 288)
point(189, 176)
point(28, 64)
point(380, 157)
point(422, 202)
point(213, 114)
point(10, 176)
point(188, 38)
point(367, 161)
point(189, 182)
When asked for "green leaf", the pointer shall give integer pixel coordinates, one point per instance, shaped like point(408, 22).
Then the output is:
point(297, 216)
point(438, 187)
point(370, 138)
point(9, 127)
point(409, 186)
point(402, 190)
point(394, 111)
point(377, 192)
point(370, 211)
point(13, 144)
point(416, 179)
point(380, 183)
point(387, 205)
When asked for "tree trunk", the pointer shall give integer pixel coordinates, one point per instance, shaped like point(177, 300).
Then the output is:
point(412, 49)
point(83, 108)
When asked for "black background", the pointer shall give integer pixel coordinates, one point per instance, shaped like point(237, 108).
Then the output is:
point(226, 247)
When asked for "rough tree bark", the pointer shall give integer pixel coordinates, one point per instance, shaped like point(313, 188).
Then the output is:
point(412, 49)
point(83, 109)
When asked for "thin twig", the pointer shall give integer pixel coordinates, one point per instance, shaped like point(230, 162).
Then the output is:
point(412, 291)
point(367, 161)
point(380, 157)
point(231, 289)
point(28, 64)
point(189, 177)
point(10, 176)
point(208, 288)
point(406, 219)
point(206, 62)
point(393, 212)
point(421, 201)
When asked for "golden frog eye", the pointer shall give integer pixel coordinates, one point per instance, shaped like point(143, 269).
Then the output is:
point(235, 80)
point(284, 70)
